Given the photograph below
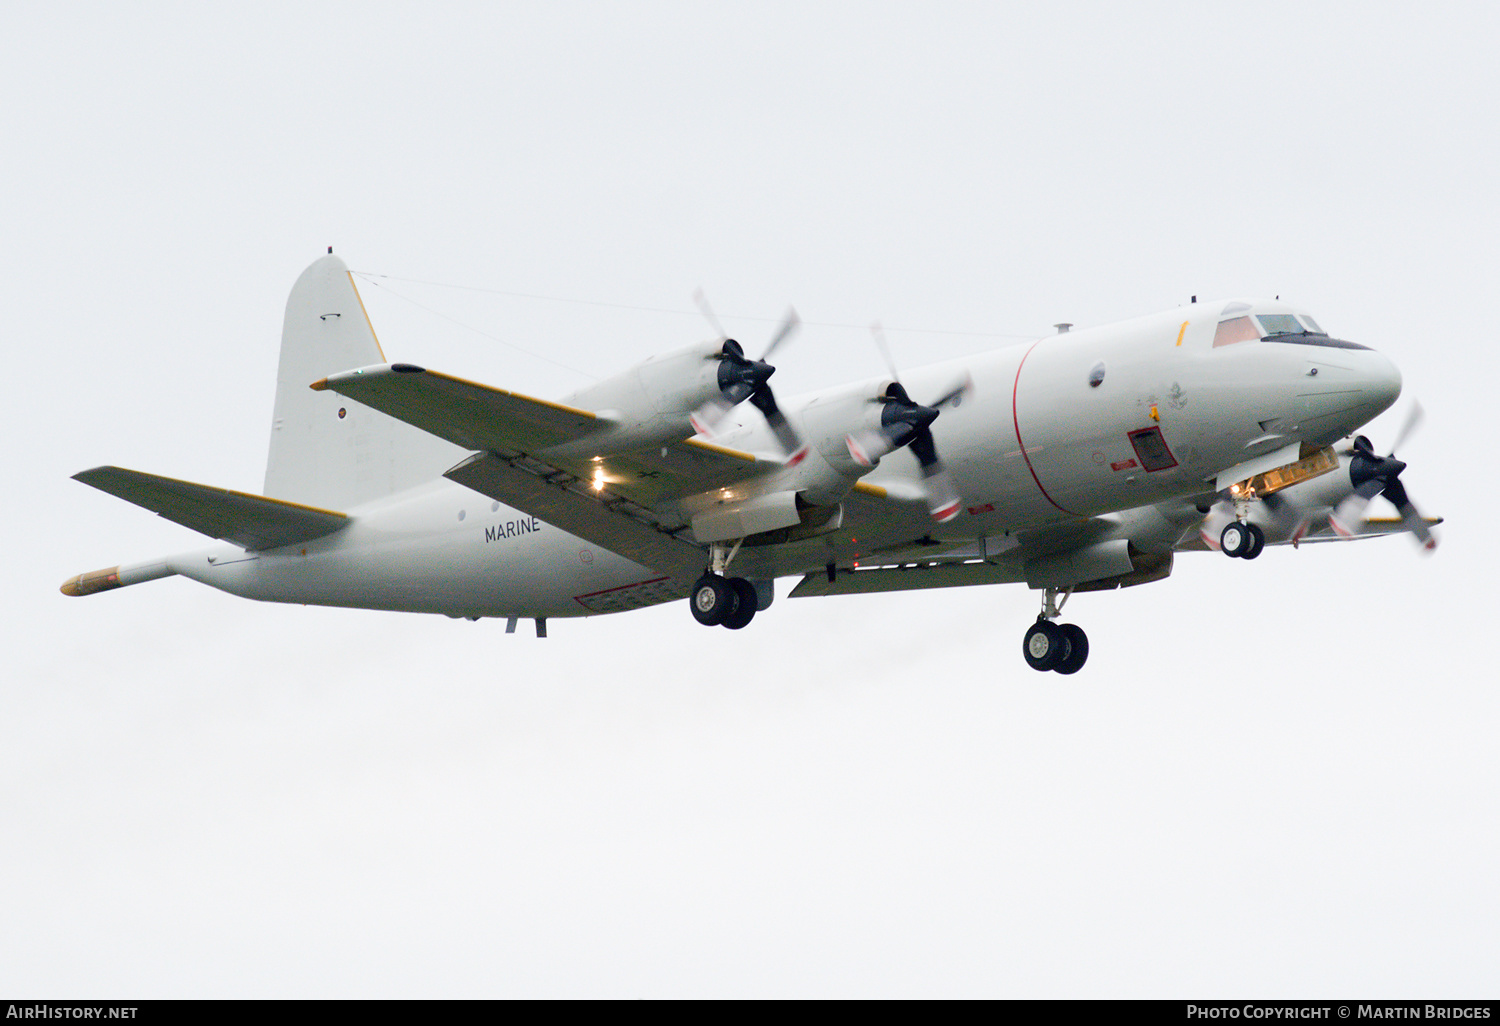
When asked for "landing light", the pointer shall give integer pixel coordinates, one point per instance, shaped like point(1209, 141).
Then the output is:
point(598, 479)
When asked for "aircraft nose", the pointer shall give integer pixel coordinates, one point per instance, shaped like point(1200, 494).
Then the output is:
point(1344, 389)
point(1383, 380)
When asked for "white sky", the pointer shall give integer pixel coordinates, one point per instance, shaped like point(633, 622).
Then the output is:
point(1273, 778)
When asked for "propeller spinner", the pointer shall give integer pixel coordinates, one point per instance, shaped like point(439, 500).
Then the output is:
point(1372, 475)
point(905, 422)
point(741, 378)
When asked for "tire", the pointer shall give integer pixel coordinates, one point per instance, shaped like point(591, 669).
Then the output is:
point(712, 599)
point(745, 604)
point(1044, 645)
point(1257, 541)
point(1078, 648)
point(1234, 541)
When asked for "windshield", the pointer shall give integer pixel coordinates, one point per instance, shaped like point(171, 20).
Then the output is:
point(1279, 324)
point(1298, 329)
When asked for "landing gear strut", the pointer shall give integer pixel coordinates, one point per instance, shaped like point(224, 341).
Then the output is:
point(1055, 646)
point(719, 601)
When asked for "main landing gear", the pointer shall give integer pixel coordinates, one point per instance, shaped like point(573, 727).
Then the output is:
point(1055, 646)
point(719, 601)
point(723, 601)
point(1240, 540)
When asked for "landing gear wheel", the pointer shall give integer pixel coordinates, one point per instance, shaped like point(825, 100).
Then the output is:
point(1235, 540)
point(745, 604)
point(1078, 648)
point(1044, 645)
point(1257, 541)
point(712, 599)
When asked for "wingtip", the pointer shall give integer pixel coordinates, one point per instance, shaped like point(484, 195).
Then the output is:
point(321, 385)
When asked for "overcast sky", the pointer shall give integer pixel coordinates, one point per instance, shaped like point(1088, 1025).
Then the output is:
point(1272, 778)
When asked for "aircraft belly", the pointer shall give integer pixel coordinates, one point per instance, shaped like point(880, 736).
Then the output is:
point(506, 565)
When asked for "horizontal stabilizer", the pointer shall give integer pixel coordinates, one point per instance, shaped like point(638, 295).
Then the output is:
point(252, 521)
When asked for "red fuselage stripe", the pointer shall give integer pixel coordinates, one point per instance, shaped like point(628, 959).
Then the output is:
point(1016, 420)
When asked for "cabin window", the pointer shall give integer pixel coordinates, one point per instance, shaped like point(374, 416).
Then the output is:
point(1238, 329)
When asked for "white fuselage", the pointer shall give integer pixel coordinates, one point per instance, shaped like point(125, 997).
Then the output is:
point(1034, 442)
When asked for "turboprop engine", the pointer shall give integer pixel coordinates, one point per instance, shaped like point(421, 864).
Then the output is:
point(671, 397)
point(849, 431)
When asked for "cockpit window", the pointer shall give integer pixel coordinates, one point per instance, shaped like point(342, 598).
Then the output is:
point(1237, 329)
point(1279, 324)
point(1276, 328)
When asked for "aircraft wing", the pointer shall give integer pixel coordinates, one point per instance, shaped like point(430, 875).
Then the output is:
point(621, 502)
point(467, 414)
point(927, 563)
point(1321, 531)
point(572, 504)
point(252, 521)
point(487, 419)
point(1375, 527)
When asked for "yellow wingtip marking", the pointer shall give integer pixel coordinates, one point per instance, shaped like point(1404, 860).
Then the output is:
point(515, 395)
point(1181, 332)
point(321, 385)
point(720, 449)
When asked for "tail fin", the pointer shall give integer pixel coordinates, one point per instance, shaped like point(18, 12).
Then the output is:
point(326, 450)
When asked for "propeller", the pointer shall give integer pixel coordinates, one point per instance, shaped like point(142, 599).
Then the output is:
point(1372, 475)
point(905, 422)
point(741, 378)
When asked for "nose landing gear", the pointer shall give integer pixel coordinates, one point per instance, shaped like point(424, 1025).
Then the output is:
point(1241, 539)
point(1055, 646)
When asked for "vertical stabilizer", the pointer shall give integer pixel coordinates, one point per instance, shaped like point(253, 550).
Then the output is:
point(326, 450)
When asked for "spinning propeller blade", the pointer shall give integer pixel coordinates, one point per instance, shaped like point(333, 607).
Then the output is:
point(1374, 475)
point(904, 422)
point(741, 378)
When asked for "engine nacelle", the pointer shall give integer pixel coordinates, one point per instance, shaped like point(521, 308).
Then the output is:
point(1098, 567)
point(649, 404)
point(829, 471)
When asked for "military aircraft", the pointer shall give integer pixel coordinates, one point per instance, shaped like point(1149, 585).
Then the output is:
point(1081, 461)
